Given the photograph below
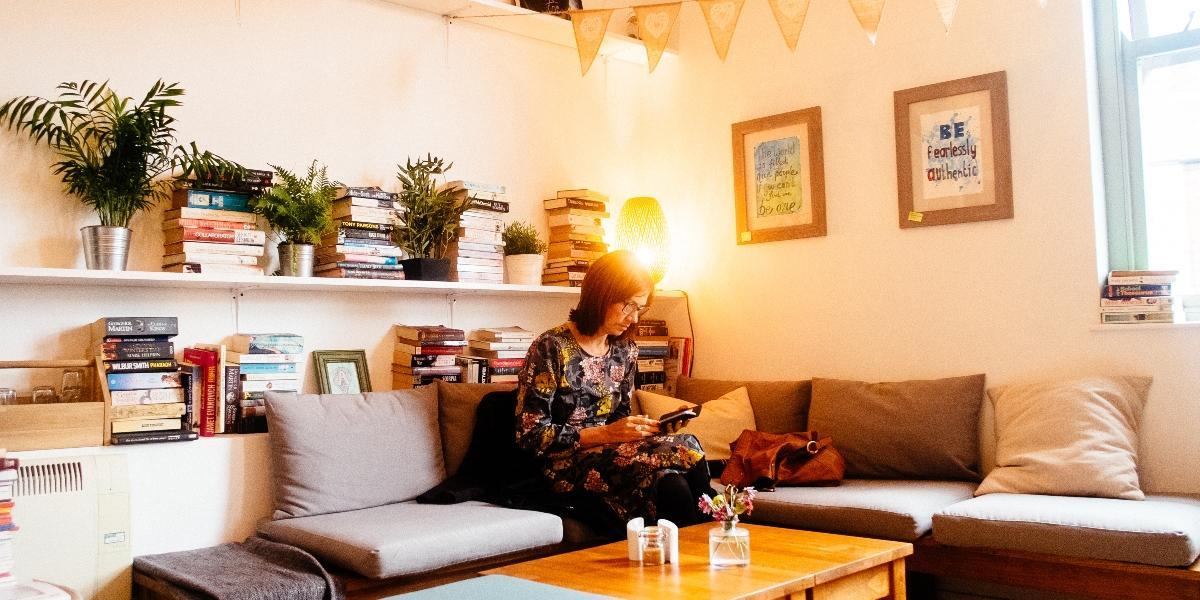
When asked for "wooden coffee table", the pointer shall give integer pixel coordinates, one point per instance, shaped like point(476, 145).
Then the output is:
point(784, 563)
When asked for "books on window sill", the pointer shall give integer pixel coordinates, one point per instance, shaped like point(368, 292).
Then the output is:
point(1135, 297)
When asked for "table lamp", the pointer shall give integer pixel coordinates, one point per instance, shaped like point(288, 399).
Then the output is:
point(642, 229)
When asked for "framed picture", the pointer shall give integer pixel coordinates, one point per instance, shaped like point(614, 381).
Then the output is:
point(779, 177)
point(952, 152)
point(341, 371)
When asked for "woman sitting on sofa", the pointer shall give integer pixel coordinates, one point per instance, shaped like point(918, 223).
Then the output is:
point(573, 410)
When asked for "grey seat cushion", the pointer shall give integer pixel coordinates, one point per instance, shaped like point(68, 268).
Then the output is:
point(1160, 530)
point(889, 509)
point(409, 538)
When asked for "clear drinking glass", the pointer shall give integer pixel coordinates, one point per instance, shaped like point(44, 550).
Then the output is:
point(72, 385)
point(8, 396)
point(44, 394)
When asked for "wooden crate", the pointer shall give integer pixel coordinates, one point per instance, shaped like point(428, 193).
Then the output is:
point(60, 425)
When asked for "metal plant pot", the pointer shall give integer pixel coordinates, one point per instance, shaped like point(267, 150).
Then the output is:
point(105, 248)
point(296, 260)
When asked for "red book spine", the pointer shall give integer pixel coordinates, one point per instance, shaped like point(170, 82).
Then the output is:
point(207, 360)
point(501, 363)
point(210, 224)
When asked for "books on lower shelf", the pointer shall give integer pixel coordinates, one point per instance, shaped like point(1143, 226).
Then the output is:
point(141, 383)
point(496, 354)
point(426, 353)
point(1134, 297)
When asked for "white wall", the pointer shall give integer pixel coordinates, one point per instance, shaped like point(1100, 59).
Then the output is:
point(1015, 299)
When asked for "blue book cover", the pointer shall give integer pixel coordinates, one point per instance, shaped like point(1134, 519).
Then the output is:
point(213, 200)
point(269, 367)
point(142, 381)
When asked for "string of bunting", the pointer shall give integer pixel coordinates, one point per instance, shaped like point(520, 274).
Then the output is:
point(656, 21)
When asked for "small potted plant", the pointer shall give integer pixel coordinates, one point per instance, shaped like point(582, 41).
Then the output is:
point(298, 211)
point(523, 254)
point(427, 219)
point(114, 155)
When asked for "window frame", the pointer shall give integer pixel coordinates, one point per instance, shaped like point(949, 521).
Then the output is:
point(1117, 59)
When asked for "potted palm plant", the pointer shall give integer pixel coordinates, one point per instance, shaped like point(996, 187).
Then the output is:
point(114, 153)
point(523, 254)
point(427, 219)
point(298, 211)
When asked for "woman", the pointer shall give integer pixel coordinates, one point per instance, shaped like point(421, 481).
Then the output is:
point(573, 409)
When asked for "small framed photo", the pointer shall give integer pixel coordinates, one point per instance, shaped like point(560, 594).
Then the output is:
point(952, 152)
point(779, 177)
point(342, 371)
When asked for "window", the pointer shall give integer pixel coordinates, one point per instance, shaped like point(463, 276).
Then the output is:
point(1148, 54)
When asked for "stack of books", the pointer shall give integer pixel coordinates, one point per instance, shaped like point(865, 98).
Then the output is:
point(497, 354)
point(1138, 297)
point(8, 483)
point(210, 229)
point(264, 362)
point(425, 353)
point(142, 380)
point(653, 342)
point(477, 252)
point(576, 219)
point(360, 245)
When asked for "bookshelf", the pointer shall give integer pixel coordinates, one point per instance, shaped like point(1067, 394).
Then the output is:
point(155, 279)
point(522, 22)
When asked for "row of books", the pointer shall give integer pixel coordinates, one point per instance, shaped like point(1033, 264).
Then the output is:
point(229, 381)
point(1132, 297)
point(576, 220)
point(477, 252)
point(425, 353)
point(496, 354)
point(360, 245)
point(662, 358)
point(210, 227)
point(9, 469)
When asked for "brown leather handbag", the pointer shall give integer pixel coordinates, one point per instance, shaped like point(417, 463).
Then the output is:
point(765, 460)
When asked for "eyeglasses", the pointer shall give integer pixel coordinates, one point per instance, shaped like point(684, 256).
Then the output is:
point(630, 308)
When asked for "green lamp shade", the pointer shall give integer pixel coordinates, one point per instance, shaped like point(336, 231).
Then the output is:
point(642, 229)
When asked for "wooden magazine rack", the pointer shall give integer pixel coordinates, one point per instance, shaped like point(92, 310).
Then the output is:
point(58, 425)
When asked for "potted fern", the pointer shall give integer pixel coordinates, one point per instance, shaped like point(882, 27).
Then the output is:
point(298, 211)
point(427, 220)
point(523, 254)
point(114, 155)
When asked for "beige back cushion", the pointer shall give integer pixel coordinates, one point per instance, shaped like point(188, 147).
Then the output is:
point(721, 420)
point(921, 429)
point(1068, 438)
point(457, 403)
point(339, 452)
point(779, 406)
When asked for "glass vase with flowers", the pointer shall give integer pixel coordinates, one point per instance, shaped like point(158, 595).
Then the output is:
point(728, 545)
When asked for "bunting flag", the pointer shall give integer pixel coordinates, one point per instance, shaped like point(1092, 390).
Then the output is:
point(789, 14)
point(655, 22)
point(722, 17)
point(947, 8)
point(868, 13)
point(590, 26)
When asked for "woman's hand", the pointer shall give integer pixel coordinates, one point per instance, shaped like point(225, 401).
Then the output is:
point(628, 429)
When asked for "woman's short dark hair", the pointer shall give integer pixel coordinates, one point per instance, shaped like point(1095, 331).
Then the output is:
point(612, 279)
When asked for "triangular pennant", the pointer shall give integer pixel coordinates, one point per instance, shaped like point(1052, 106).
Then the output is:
point(947, 8)
point(655, 22)
point(790, 14)
point(590, 26)
point(722, 17)
point(868, 13)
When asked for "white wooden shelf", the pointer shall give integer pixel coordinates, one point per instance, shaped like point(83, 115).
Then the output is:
point(527, 23)
point(154, 279)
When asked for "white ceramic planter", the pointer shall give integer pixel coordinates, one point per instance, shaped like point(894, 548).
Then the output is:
point(523, 269)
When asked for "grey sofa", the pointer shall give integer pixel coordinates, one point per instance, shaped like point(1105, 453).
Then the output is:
point(348, 468)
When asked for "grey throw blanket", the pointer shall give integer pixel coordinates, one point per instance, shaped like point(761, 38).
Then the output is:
point(256, 569)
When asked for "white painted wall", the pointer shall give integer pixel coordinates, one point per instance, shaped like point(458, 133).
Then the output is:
point(1015, 299)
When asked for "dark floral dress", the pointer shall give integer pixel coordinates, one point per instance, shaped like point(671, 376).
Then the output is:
point(564, 389)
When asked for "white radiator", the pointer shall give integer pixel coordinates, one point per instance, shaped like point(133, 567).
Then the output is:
point(73, 515)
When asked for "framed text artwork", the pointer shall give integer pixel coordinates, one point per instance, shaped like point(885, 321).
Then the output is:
point(342, 371)
point(779, 177)
point(952, 152)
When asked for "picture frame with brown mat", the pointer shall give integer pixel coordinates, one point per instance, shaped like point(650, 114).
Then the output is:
point(779, 177)
point(952, 152)
point(341, 371)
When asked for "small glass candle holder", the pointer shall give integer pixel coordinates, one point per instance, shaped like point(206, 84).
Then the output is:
point(43, 394)
point(652, 542)
point(8, 396)
point(72, 385)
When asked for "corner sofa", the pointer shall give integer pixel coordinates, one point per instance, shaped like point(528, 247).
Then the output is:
point(348, 469)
